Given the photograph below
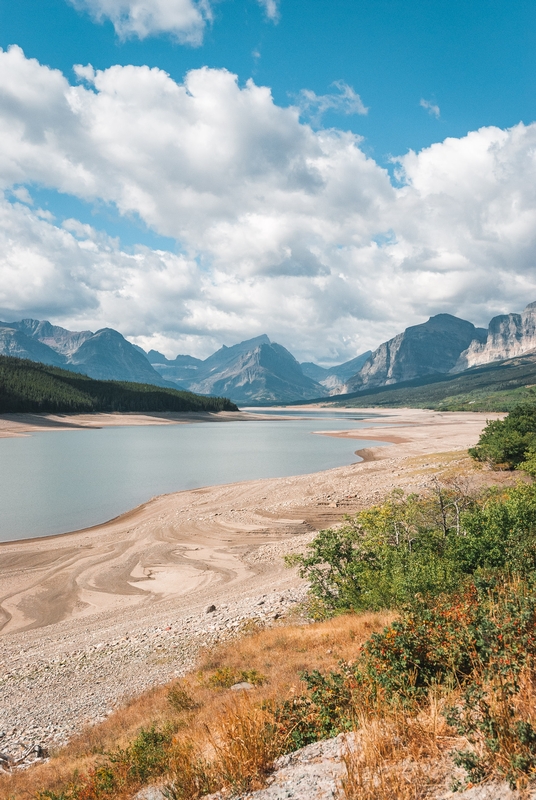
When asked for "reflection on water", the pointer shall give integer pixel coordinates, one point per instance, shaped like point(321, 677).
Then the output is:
point(57, 481)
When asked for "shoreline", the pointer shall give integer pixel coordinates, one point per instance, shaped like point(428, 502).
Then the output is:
point(138, 532)
point(23, 425)
point(125, 603)
point(16, 425)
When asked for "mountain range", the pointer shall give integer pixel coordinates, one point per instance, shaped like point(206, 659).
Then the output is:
point(104, 355)
point(261, 372)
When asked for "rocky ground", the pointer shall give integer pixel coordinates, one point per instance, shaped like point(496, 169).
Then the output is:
point(47, 696)
point(315, 773)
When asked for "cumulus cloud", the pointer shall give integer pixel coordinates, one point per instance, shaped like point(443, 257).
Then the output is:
point(313, 106)
point(271, 9)
point(282, 229)
point(183, 19)
point(432, 108)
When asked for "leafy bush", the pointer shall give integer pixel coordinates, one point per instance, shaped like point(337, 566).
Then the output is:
point(489, 627)
point(420, 546)
point(480, 642)
point(509, 442)
point(325, 711)
point(225, 677)
point(123, 770)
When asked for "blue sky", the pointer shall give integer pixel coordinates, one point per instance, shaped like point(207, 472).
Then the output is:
point(424, 71)
point(476, 61)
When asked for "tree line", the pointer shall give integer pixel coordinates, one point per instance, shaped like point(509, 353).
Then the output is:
point(28, 386)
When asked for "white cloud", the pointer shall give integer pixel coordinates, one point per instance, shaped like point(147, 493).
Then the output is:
point(23, 195)
point(283, 229)
point(312, 106)
point(271, 9)
point(183, 19)
point(432, 108)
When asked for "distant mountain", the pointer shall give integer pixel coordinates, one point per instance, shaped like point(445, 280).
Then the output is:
point(334, 378)
point(431, 348)
point(498, 386)
point(17, 344)
point(104, 355)
point(254, 372)
point(508, 336)
point(59, 339)
point(181, 370)
point(259, 371)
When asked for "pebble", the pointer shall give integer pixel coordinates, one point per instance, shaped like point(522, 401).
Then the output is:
point(46, 701)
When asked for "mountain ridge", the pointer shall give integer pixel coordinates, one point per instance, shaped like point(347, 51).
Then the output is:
point(103, 355)
point(258, 371)
point(432, 347)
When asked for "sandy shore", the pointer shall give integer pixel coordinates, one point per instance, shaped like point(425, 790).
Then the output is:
point(23, 424)
point(76, 598)
point(191, 542)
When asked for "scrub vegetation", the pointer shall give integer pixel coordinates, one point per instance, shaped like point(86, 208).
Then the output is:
point(510, 443)
point(26, 386)
point(423, 652)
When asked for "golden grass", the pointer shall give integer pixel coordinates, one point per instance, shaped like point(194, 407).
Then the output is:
point(211, 722)
point(395, 755)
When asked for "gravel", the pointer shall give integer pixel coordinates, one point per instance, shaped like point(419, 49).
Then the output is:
point(48, 691)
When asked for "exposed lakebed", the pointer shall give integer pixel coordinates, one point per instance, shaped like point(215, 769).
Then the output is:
point(53, 482)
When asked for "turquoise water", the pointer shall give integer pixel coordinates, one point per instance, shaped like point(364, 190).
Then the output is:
point(57, 481)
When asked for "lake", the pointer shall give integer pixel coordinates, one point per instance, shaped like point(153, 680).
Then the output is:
point(57, 481)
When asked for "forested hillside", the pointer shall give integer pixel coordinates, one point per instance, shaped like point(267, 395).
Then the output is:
point(28, 386)
point(494, 387)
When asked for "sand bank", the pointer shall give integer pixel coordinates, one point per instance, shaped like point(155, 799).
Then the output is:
point(23, 424)
point(191, 544)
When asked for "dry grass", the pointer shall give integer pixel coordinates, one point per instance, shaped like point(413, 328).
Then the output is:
point(394, 755)
point(208, 720)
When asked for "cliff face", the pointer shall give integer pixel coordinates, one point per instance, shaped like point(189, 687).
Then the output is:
point(433, 347)
point(509, 335)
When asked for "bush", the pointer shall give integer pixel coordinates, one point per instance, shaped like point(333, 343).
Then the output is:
point(509, 442)
point(488, 628)
point(420, 546)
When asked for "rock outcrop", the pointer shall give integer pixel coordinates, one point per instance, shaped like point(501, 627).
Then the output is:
point(433, 347)
point(508, 336)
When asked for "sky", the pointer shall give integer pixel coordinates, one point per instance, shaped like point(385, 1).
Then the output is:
point(197, 172)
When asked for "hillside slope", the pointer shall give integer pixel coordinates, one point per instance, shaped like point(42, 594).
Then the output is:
point(104, 355)
point(492, 387)
point(26, 386)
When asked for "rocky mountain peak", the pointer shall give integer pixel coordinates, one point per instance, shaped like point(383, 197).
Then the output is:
point(508, 336)
point(432, 347)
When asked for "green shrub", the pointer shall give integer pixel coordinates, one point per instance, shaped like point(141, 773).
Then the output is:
point(420, 546)
point(507, 442)
point(324, 712)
